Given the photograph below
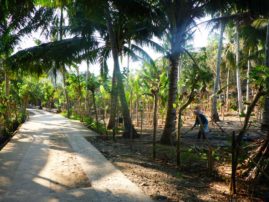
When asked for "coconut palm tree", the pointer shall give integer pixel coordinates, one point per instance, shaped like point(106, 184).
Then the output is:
point(238, 77)
point(257, 9)
point(214, 111)
point(179, 19)
point(118, 25)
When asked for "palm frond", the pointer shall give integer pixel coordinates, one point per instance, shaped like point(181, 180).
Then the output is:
point(152, 44)
point(65, 51)
point(142, 53)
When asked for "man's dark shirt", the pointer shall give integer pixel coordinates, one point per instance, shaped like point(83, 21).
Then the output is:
point(202, 118)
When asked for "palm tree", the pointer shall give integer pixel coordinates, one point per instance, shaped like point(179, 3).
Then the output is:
point(261, 154)
point(238, 77)
point(118, 25)
point(257, 9)
point(179, 18)
point(252, 39)
point(214, 111)
point(260, 8)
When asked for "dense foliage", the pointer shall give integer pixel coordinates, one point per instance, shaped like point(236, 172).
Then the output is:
point(229, 75)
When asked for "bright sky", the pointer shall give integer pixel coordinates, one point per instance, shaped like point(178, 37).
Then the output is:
point(199, 40)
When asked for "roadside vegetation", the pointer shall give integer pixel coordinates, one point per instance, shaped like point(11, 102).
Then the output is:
point(143, 117)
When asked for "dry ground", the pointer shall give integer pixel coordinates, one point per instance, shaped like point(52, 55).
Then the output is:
point(161, 180)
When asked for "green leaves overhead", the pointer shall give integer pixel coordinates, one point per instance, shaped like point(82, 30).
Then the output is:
point(65, 51)
point(13, 27)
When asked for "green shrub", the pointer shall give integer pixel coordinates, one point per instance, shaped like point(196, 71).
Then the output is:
point(99, 128)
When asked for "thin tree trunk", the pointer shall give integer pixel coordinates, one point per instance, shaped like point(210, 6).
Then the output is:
point(238, 79)
point(247, 85)
point(227, 90)
point(233, 174)
point(95, 108)
point(104, 116)
point(155, 123)
point(214, 111)
point(131, 103)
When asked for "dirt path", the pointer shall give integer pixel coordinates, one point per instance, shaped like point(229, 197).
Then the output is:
point(49, 160)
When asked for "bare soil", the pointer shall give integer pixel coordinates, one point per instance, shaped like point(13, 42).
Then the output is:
point(66, 170)
point(162, 180)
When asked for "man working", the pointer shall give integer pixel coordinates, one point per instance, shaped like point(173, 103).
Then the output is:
point(202, 121)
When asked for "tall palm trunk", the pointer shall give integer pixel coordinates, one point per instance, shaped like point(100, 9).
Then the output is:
point(114, 101)
point(214, 111)
point(129, 129)
point(170, 121)
point(178, 27)
point(238, 79)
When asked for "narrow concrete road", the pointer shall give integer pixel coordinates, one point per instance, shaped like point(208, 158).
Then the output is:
point(50, 160)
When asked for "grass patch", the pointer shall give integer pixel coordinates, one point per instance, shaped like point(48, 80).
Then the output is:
point(89, 122)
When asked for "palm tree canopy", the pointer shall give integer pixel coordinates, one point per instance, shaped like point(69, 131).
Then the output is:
point(44, 55)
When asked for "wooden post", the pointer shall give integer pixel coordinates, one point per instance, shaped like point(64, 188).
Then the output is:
point(141, 122)
point(210, 160)
point(233, 174)
point(178, 138)
point(155, 124)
